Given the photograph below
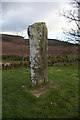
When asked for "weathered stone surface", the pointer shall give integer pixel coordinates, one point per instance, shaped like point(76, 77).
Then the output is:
point(38, 53)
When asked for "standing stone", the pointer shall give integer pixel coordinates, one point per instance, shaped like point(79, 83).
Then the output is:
point(38, 46)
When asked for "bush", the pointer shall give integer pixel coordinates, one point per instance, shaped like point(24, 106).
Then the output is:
point(15, 57)
point(15, 65)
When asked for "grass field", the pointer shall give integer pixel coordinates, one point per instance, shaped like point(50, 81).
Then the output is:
point(60, 102)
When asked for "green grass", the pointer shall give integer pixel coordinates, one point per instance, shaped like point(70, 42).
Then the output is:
point(20, 103)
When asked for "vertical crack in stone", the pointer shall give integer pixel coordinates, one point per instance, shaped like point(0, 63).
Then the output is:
point(38, 46)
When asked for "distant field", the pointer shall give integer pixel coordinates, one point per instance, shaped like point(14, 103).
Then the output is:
point(60, 102)
point(9, 48)
point(17, 45)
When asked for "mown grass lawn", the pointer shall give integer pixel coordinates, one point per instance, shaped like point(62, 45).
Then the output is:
point(60, 102)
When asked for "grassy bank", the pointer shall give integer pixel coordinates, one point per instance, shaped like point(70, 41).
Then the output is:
point(60, 102)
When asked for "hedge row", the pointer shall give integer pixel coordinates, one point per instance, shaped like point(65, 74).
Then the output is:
point(15, 57)
point(59, 60)
point(27, 64)
point(15, 65)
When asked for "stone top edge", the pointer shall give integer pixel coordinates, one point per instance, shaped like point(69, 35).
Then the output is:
point(37, 23)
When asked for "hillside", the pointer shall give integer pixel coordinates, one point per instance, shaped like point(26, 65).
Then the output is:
point(21, 40)
point(14, 39)
point(17, 45)
point(54, 42)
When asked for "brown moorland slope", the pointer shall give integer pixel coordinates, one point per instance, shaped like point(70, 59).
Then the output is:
point(17, 45)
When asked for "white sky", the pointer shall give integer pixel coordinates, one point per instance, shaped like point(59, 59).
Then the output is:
point(17, 16)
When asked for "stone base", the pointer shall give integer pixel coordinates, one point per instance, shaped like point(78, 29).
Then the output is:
point(43, 89)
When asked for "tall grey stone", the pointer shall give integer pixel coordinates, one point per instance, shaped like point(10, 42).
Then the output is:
point(38, 47)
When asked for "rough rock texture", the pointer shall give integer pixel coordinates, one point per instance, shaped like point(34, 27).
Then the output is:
point(38, 53)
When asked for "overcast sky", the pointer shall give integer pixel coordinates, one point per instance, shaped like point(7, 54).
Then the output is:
point(17, 16)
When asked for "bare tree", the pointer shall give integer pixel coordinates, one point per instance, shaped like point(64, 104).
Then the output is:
point(73, 16)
